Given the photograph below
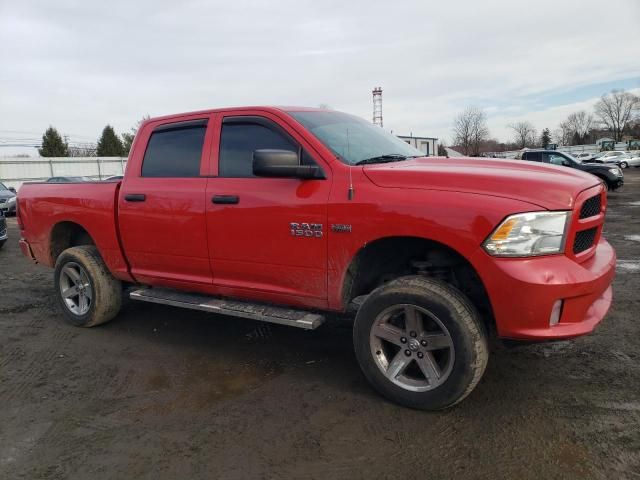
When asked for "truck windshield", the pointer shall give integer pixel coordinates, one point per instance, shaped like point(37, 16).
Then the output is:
point(354, 140)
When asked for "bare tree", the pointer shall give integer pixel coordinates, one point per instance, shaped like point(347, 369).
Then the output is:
point(563, 134)
point(616, 109)
point(579, 125)
point(470, 130)
point(525, 134)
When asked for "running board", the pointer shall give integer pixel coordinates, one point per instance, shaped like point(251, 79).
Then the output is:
point(255, 311)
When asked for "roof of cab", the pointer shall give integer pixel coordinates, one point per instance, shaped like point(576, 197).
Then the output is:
point(266, 108)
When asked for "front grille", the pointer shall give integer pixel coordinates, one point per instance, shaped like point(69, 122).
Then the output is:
point(3, 200)
point(591, 207)
point(584, 240)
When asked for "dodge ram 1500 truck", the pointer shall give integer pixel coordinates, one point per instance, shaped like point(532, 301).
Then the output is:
point(288, 215)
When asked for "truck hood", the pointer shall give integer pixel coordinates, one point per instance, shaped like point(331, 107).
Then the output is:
point(547, 186)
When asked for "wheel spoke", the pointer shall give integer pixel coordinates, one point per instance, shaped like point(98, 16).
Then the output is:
point(412, 319)
point(70, 292)
point(398, 365)
point(87, 291)
point(72, 274)
point(82, 303)
point(389, 333)
point(429, 367)
point(436, 341)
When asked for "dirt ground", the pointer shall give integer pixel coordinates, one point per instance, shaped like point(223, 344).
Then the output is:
point(164, 393)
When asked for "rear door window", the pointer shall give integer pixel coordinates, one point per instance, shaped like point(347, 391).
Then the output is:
point(175, 150)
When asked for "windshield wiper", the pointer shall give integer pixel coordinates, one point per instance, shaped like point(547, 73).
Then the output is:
point(389, 157)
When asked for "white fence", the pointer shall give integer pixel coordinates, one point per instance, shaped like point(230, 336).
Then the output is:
point(14, 171)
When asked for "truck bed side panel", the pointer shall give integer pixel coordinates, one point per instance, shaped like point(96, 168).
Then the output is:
point(90, 205)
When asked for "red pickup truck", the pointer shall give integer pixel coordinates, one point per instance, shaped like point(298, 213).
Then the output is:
point(288, 215)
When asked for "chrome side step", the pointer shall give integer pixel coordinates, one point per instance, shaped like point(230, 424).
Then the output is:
point(254, 311)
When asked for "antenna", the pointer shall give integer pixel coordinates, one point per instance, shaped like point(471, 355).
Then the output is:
point(377, 106)
point(350, 192)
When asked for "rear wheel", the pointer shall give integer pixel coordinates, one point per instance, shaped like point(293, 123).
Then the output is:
point(87, 292)
point(624, 164)
point(420, 343)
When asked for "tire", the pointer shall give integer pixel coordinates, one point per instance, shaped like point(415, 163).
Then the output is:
point(624, 164)
point(82, 272)
point(2, 242)
point(450, 338)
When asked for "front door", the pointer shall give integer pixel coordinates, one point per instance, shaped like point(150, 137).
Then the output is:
point(266, 234)
point(162, 214)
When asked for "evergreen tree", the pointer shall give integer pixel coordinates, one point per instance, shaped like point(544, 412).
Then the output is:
point(109, 144)
point(53, 145)
point(545, 138)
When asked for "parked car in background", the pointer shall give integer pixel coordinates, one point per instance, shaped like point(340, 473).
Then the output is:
point(7, 199)
point(69, 179)
point(3, 230)
point(611, 175)
point(634, 159)
point(612, 157)
point(628, 160)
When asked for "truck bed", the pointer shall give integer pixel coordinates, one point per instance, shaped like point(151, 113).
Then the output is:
point(45, 207)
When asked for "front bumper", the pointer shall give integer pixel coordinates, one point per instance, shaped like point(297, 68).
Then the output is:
point(523, 291)
point(6, 208)
point(617, 183)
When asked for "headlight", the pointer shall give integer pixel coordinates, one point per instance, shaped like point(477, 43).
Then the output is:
point(12, 200)
point(616, 171)
point(528, 234)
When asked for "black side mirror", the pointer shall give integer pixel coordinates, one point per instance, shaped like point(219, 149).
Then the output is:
point(11, 189)
point(282, 163)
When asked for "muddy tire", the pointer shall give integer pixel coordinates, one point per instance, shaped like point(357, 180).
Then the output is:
point(420, 343)
point(86, 291)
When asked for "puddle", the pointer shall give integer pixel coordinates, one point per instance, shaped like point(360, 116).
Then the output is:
point(628, 265)
point(633, 238)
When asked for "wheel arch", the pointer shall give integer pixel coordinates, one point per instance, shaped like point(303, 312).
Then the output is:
point(67, 234)
point(387, 258)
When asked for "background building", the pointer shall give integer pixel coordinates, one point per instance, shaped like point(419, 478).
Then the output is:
point(427, 145)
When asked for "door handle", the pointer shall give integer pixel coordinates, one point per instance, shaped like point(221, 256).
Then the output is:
point(135, 197)
point(225, 199)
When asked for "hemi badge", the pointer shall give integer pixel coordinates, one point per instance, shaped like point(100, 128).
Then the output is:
point(341, 228)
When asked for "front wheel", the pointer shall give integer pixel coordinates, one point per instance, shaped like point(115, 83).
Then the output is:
point(87, 292)
point(2, 242)
point(624, 164)
point(420, 343)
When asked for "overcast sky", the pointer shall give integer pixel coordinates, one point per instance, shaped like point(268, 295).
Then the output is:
point(79, 65)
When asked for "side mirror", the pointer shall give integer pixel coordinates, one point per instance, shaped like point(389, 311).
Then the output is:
point(11, 189)
point(283, 164)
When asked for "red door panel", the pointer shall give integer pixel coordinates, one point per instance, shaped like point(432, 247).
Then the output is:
point(162, 216)
point(251, 242)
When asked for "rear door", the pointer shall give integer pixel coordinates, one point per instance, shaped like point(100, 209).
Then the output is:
point(162, 202)
point(266, 234)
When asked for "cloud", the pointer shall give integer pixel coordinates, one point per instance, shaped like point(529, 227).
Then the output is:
point(79, 65)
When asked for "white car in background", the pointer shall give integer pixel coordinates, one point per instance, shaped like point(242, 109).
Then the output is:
point(614, 156)
point(632, 159)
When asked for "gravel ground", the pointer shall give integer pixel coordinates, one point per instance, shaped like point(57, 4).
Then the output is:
point(166, 393)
